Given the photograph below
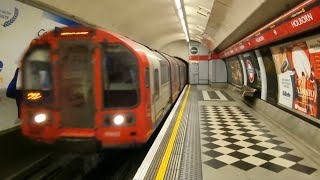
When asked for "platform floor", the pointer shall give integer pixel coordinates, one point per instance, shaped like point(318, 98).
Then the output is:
point(220, 137)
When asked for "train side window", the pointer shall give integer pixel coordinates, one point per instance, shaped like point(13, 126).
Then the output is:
point(164, 71)
point(156, 83)
point(147, 77)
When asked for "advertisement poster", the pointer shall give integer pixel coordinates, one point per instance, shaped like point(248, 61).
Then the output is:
point(298, 70)
point(19, 24)
point(234, 71)
point(253, 70)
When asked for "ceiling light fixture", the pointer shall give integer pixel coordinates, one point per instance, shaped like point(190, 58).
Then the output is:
point(182, 18)
point(207, 11)
point(202, 31)
point(203, 14)
point(203, 11)
point(200, 27)
point(199, 37)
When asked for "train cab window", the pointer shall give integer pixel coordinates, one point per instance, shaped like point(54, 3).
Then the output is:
point(38, 69)
point(37, 72)
point(120, 75)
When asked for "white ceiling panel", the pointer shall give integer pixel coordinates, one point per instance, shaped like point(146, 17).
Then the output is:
point(156, 24)
point(197, 14)
point(227, 15)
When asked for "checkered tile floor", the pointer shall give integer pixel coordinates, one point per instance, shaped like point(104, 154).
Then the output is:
point(215, 95)
point(235, 138)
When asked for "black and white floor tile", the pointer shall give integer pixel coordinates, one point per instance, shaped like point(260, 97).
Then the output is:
point(215, 95)
point(235, 138)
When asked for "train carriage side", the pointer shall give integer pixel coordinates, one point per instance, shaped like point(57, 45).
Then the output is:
point(182, 71)
point(174, 77)
point(155, 84)
point(165, 84)
point(125, 64)
point(159, 83)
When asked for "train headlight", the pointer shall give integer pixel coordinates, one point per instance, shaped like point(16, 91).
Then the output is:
point(125, 119)
point(118, 119)
point(40, 118)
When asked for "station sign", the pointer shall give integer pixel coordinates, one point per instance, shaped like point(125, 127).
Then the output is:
point(1, 65)
point(304, 17)
point(194, 50)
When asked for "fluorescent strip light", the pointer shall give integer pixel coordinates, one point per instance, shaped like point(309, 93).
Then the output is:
point(181, 17)
point(184, 29)
point(182, 22)
point(180, 13)
point(178, 4)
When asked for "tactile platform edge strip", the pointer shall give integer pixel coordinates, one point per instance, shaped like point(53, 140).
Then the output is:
point(190, 166)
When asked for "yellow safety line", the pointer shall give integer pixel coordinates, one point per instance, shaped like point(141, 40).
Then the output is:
point(166, 157)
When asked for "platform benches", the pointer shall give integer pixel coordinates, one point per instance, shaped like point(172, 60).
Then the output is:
point(246, 90)
point(236, 87)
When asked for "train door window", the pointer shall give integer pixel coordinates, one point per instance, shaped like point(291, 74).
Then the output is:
point(120, 75)
point(147, 77)
point(156, 83)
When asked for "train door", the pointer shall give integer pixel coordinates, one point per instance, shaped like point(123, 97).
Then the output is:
point(151, 84)
point(75, 83)
point(155, 87)
point(156, 96)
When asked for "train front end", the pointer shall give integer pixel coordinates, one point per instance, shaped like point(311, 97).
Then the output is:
point(78, 87)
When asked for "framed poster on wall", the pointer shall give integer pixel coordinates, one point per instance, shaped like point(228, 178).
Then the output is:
point(234, 71)
point(253, 70)
point(298, 70)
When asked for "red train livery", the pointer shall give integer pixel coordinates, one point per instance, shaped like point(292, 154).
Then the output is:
point(85, 84)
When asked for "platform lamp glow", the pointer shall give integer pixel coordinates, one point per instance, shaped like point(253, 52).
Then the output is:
point(182, 19)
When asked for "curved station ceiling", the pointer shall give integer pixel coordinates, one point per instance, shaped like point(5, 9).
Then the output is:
point(156, 23)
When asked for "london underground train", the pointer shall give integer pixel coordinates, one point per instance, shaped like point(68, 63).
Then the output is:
point(90, 85)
